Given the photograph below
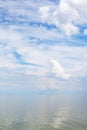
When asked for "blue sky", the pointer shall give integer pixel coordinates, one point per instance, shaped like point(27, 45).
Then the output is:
point(43, 45)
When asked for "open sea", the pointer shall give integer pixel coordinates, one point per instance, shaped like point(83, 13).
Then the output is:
point(43, 112)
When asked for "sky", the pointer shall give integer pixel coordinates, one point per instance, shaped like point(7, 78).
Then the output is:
point(43, 45)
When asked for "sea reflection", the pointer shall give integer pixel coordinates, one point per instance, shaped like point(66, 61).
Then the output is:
point(60, 117)
point(43, 112)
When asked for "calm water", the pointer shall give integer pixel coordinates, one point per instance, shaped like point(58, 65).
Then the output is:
point(43, 112)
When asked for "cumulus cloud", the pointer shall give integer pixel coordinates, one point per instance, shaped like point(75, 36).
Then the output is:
point(67, 15)
point(69, 29)
point(58, 70)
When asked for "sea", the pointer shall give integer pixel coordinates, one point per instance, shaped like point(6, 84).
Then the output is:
point(43, 112)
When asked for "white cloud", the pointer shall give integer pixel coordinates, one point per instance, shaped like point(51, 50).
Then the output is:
point(44, 12)
point(69, 29)
point(67, 15)
point(65, 18)
point(58, 70)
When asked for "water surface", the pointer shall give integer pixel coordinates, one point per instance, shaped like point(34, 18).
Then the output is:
point(43, 112)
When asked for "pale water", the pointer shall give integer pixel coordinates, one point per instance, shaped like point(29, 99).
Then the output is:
point(60, 112)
